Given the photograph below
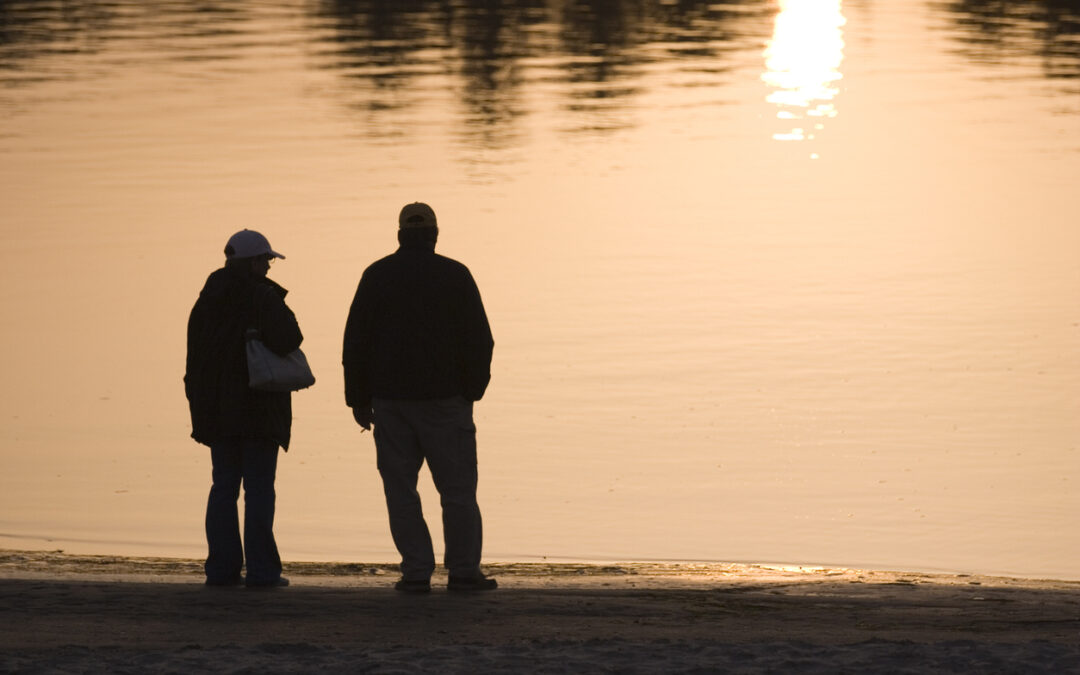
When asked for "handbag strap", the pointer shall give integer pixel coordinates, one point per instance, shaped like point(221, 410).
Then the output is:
point(254, 332)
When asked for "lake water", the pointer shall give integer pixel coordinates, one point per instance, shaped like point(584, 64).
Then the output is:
point(770, 281)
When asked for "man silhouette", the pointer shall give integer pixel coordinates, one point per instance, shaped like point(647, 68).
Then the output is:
point(417, 355)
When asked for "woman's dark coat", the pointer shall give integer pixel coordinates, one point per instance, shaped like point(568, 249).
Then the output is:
point(216, 382)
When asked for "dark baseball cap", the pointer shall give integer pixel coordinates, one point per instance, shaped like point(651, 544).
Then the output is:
point(416, 214)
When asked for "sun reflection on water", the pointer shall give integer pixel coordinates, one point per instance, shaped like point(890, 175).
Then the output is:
point(802, 63)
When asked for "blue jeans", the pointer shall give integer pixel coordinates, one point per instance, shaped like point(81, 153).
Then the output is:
point(442, 432)
point(253, 462)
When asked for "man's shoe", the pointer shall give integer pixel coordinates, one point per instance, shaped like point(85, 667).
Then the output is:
point(280, 582)
point(477, 583)
point(413, 585)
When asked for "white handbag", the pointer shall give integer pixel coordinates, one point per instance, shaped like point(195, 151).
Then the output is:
point(268, 371)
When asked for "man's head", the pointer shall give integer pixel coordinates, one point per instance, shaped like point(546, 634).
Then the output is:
point(417, 225)
point(249, 249)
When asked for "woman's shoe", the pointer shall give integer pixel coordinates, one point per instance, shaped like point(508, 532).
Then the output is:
point(280, 582)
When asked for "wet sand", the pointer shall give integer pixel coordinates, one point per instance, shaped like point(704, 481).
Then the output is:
point(98, 613)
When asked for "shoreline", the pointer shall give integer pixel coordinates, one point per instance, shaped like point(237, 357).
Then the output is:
point(76, 612)
point(27, 564)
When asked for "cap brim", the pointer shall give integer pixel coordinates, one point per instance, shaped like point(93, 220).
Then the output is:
point(275, 254)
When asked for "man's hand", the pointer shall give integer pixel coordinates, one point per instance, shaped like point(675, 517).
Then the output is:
point(362, 415)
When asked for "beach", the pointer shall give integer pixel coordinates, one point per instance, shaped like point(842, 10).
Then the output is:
point(79, 613)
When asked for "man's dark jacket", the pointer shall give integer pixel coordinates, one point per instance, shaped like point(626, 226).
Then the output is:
point(222, 405)
point(416, 330)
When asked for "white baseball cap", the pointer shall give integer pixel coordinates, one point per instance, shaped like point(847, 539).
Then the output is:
point(248, 244)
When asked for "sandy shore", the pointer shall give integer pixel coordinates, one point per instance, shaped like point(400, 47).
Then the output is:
point(68, 613)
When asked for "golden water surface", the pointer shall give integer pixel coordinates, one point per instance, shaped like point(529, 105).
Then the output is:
point(770, 280)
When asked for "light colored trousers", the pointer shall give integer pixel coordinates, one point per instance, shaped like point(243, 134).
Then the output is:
point(442, 432)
